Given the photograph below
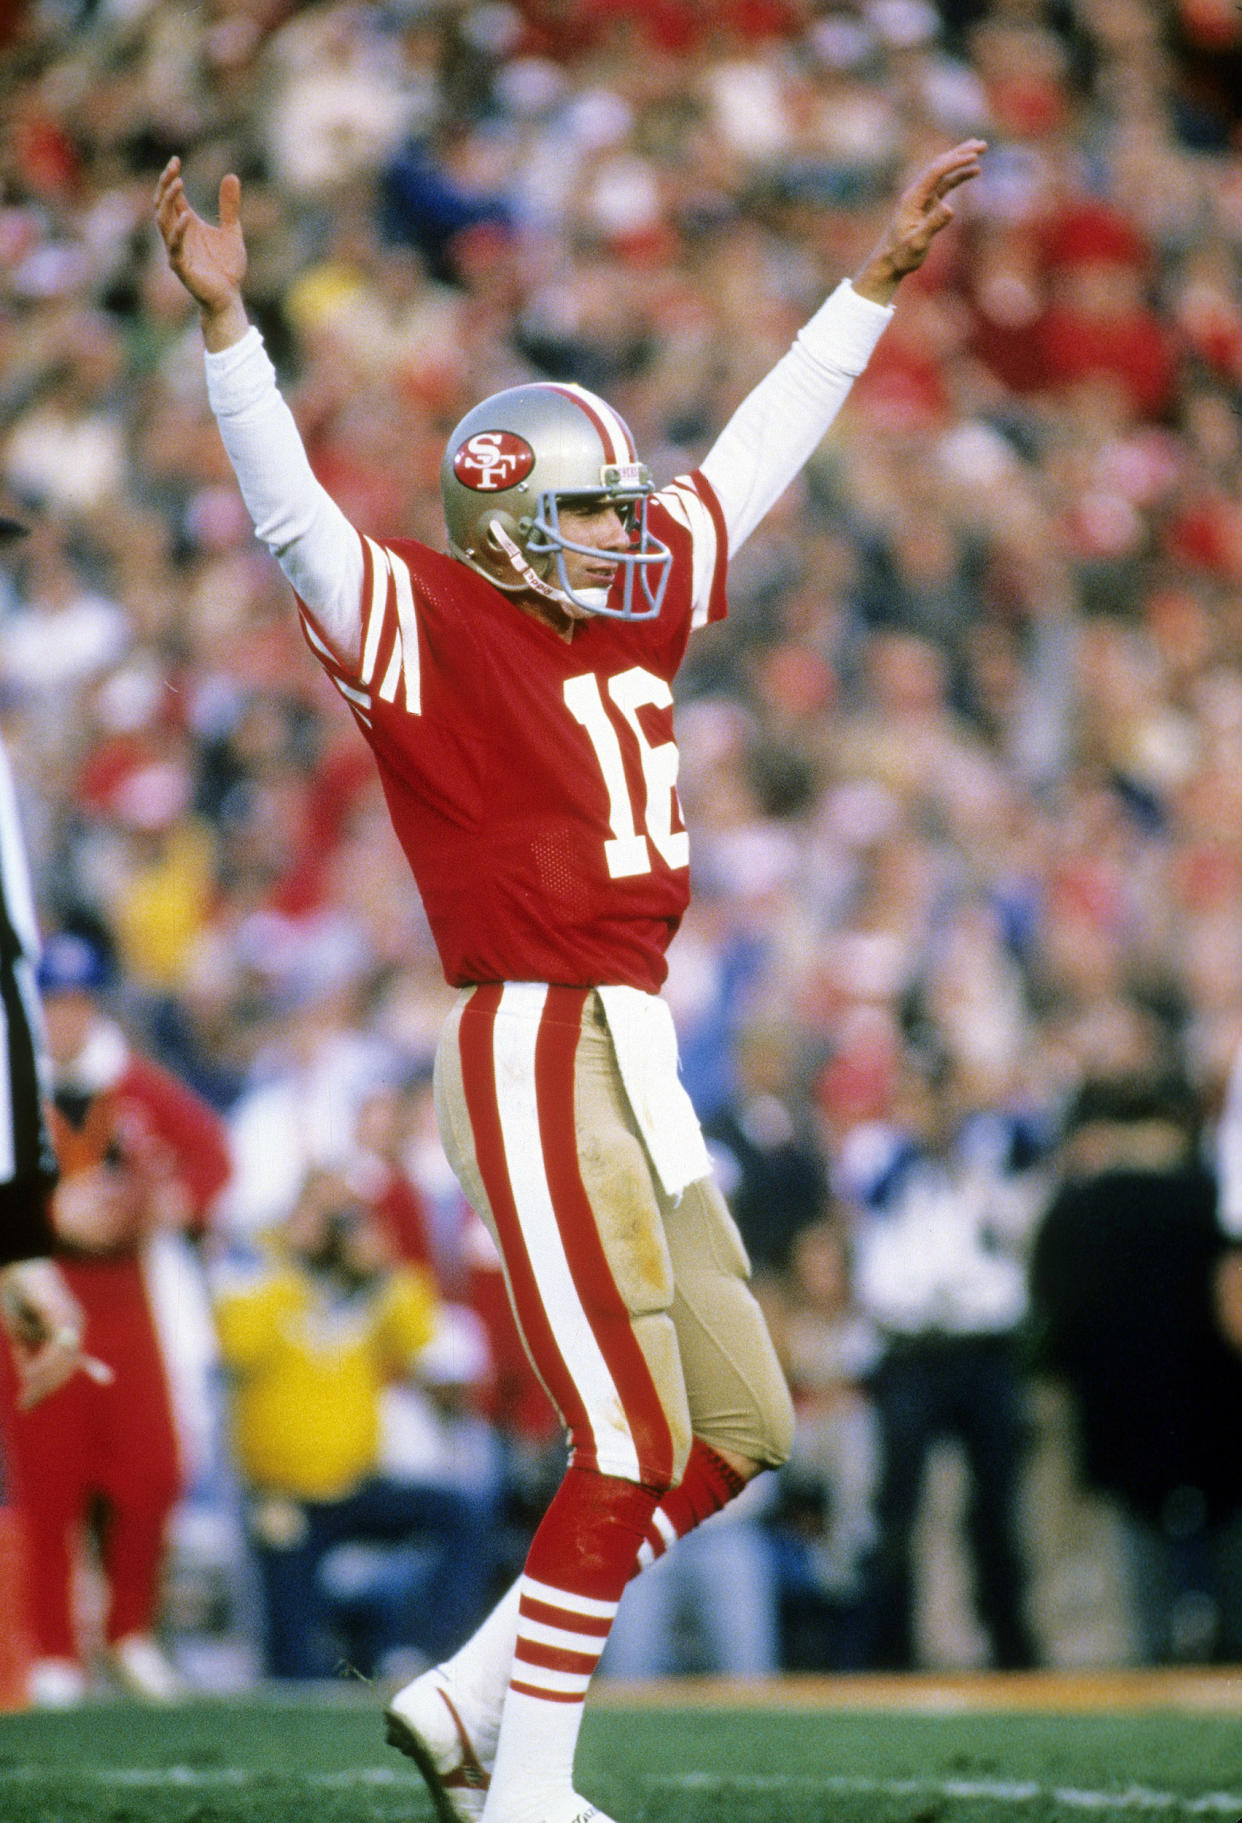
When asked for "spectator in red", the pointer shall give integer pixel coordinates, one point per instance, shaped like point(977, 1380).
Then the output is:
point(140, 1156)
point(1100, 326)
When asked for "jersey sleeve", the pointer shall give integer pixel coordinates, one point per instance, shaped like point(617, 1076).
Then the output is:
point(390, 650)
point(693, 509)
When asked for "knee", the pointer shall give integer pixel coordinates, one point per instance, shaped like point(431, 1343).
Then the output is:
point(658, 1469)
point(682, 1440)
point(778, 1429)
point(774, 1426)
point(665, 1417)
point(761, 1438)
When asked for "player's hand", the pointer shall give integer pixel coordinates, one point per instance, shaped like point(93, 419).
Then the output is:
point(45, 1322)
point(209, 261)
point(921, 212)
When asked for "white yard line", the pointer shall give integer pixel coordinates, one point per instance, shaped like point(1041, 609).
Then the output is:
point(1017, 1792)
point(191, 1778)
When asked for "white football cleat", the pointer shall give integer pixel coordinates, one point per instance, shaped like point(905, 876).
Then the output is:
point(56, 1683)
point(424, 1723)
point(142, 1668)
point(573, 1809)
point(567, 1808)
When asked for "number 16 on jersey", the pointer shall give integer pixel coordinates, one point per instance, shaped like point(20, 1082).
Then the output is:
point(635, 828)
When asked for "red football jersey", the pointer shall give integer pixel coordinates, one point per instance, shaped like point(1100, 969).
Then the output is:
point(532, 781)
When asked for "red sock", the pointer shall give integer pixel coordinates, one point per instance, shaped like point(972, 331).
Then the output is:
point(576, 1571)
point(708, 1484)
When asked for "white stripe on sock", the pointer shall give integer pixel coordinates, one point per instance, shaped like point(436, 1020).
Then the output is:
point(560, 1683)
point(586, 1605)
point(561, 1639)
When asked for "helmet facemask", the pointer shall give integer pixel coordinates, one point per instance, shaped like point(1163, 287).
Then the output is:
point(646, 562)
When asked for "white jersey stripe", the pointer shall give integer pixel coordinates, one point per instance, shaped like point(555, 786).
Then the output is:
point(679, 497)
point(317, 641)
point(665, 1527)
point(685, 505)
point(513, 1050)
point(388, 689)
point(408, 622)
point(375, 612)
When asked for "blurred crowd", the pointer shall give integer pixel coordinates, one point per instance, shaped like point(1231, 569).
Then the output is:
point(964, 768)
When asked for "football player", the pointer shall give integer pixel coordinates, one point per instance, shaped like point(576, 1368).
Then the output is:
point(516, 692)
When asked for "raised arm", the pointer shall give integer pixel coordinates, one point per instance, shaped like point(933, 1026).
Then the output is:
point(777, 426)
point(210, 262)
point(312, 540)
point(921, 211)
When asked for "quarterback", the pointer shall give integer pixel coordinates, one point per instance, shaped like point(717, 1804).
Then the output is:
point(516, 692)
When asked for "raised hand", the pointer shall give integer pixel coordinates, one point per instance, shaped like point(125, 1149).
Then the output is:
point(921, 211)
point(209, 261)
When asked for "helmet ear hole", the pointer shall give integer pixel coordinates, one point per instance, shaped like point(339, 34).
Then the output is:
point(502, 541)
point(489, 523)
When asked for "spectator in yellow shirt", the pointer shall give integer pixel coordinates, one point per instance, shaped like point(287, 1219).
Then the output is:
point(312, 1339)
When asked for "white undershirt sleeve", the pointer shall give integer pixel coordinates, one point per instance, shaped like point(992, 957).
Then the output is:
point(294, 516)
point(777, 426)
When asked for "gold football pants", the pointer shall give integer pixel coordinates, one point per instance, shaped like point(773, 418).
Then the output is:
point(636, 1310)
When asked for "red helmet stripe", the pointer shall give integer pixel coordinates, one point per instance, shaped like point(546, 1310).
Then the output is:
point(612, 429)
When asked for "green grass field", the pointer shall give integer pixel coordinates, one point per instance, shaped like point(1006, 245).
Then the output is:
point(797, 1753)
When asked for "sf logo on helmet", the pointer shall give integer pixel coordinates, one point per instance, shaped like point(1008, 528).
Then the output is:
point(492, 460)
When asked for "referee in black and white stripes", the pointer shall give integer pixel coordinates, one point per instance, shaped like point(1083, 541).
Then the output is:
point(38, 1309)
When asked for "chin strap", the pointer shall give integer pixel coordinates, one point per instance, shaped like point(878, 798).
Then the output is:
point(529, 576)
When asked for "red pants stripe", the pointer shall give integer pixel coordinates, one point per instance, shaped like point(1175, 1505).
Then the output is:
point(519, 1051)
